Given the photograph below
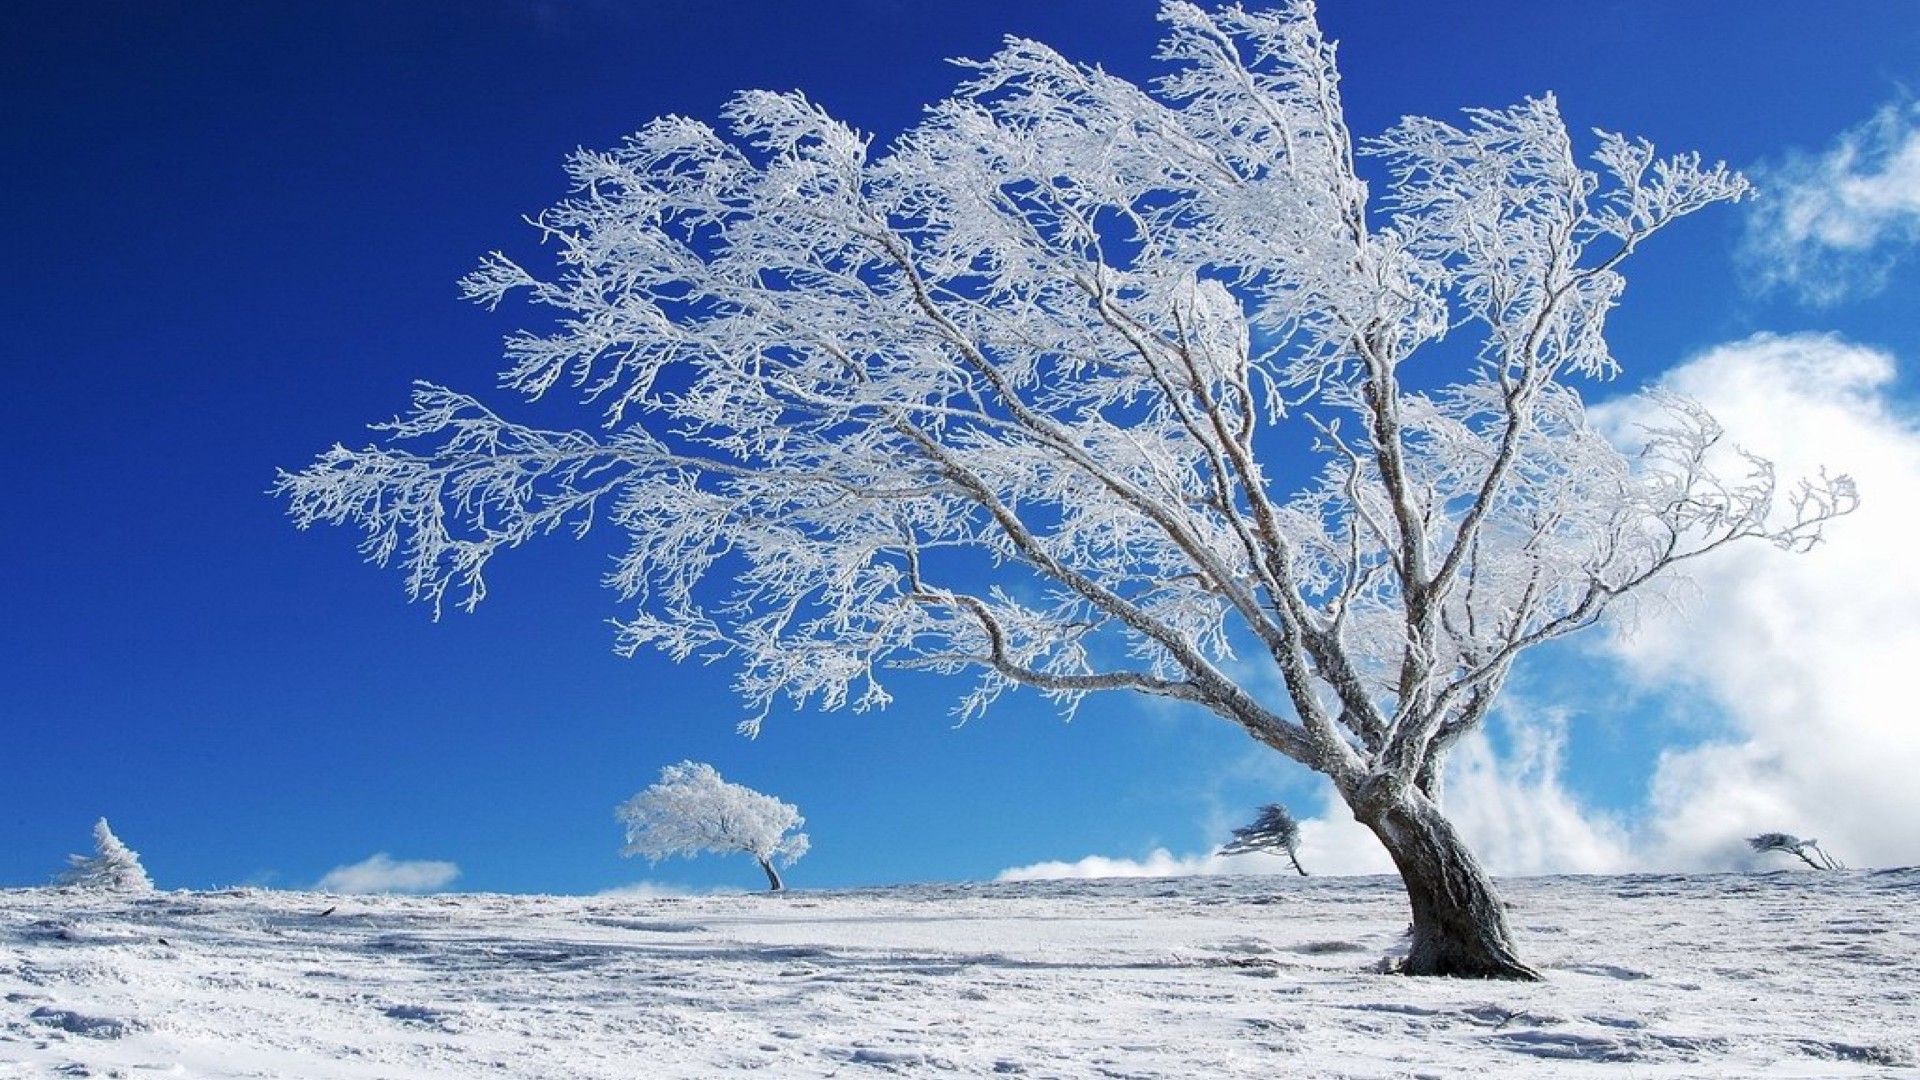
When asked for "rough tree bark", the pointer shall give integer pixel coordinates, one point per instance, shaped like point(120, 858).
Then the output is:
point(1459, 922)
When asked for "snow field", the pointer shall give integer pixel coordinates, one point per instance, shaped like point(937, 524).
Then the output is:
point(1783, 975)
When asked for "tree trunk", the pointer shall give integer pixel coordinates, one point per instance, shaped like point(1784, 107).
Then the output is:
point(1459, 924)
point(774, 884)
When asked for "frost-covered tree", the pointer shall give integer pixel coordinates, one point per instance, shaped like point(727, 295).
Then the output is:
point(113, 866)
point(1809, 851)
point(691, 810)
point(1273, 830)
point(1085, 386)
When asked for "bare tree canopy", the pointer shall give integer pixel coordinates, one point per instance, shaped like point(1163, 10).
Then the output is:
point(1082, 386)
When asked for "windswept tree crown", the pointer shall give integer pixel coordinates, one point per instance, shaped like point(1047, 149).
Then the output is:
point(1084, 385)
point(691, 810)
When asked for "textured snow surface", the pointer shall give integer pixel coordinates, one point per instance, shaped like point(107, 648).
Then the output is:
point(1777, 975)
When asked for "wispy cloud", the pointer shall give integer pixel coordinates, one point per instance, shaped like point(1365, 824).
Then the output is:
point(1331, 843)
point(1158, 863)
point(383, 873)
point(1514, 808)
point(1510, 805)
point(1833, 225)
point(653, 890)
point(1163, 863)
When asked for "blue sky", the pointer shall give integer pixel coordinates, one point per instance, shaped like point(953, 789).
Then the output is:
point(233, 232)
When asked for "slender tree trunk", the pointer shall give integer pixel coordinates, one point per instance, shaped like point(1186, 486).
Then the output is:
point(774, 884)
point(1459, 924)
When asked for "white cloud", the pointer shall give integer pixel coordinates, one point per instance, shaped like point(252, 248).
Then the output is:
point(1831, 225)
point(383, 873)
point(1803, 658)
point(1330, 844)
point(1809, 657)
point(1159, 863)
point(1511, 808)
point(1514, 811)
point(653, 890)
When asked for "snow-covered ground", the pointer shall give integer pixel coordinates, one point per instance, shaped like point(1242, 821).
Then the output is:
point(1776, 975)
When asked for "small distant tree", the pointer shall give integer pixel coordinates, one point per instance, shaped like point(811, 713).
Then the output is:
point(692, 810)
point(1274, 830)
point(113, 866)
point(1809, 851)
